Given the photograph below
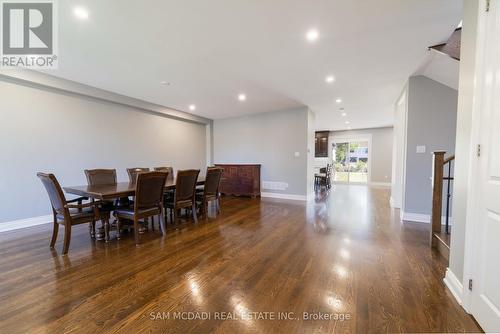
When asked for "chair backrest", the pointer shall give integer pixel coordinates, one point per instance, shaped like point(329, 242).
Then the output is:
point(185, 184)
point(169, 170)
point(97, 177)
point(54, 190)
point(132, 173)
point(149, 189)
point(212, 181)
point(329, 170)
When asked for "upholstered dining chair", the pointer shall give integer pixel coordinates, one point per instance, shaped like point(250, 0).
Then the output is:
point(210, 191)
point(185, 194)
point(169, 194)
point(66, 213)
point(97, 177)
point(218, 187)
point(169, 170)
point(132, 173)
point(148, 202)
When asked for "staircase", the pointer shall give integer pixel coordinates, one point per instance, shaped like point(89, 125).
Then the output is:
point(440, 239)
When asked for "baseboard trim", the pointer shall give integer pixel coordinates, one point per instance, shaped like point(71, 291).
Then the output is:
point(421, 218)
point(416, 217)
point(23, 223)
point(284, 196)
point(381, 184)
point(454, 285)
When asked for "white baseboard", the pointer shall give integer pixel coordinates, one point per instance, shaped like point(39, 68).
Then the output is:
point(23, 223)
point(421, 218)
point(381, 184)
point(416, 217)
point(284, 196)
point(454, 285)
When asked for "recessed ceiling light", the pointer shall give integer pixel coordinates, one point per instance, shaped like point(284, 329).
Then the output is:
point(312, 35)
point(192, 107)
point(242, 97)
point(81, 13)
point(344, 114)
point(338, 100)
point(165, 83)
point(330, 79)
point(347, 122)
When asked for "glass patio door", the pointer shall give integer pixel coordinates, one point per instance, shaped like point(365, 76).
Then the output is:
point(351, 161)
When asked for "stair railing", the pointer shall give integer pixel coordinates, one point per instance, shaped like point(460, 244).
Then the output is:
point(438, 178)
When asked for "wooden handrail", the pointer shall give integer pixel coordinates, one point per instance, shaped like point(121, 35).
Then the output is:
point(437, 192)
point(449, 159)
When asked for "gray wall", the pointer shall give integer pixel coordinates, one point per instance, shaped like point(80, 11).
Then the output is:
point(463, 138)
point(41, 130)
point(431, 122)
point(382, 142)
point(270, 139)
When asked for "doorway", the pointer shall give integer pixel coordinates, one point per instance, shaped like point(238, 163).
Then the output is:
point(351, 160)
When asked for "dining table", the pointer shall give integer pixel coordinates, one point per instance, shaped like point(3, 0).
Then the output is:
point(117, 190)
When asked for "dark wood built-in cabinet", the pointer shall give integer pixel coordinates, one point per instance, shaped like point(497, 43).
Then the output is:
point(240, 179)
point(321, 144)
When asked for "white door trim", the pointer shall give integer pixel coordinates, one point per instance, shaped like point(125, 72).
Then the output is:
point(473, 186)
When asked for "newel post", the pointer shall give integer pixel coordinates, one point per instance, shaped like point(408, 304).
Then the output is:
point(437, 192)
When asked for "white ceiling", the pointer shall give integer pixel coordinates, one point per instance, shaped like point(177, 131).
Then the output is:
point(209, 51)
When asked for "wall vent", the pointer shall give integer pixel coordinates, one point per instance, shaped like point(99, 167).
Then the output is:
point(269, 185)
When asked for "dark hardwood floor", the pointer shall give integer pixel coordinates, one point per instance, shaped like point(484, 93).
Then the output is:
point(345, 255)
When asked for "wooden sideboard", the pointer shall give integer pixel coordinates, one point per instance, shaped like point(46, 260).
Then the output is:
point(240, 179)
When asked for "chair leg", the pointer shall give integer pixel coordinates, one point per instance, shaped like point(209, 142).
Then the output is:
point(55, 231)
point(92, 227)
point(195, 217)
point(67, 238)
point(171, 215)
point(153, 223)
point(136, 231)
point(118, 227)
point(219, 211)
point(176, 217)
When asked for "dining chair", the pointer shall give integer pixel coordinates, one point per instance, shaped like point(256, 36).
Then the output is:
point(218, 187)
point(67, 214)
point(169, 194)
point(132, 173)
point(324, 178)
point(329, 171)
point(185, 194)
point(97, 177)
point(210, 191)
point(169, 170)
point(148, 202)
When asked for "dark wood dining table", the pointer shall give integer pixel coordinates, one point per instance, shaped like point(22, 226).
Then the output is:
point(112, 191)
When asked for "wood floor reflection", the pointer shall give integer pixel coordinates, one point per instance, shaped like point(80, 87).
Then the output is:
point(344, 259)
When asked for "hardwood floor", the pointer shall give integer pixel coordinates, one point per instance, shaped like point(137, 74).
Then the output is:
point(343, 255)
